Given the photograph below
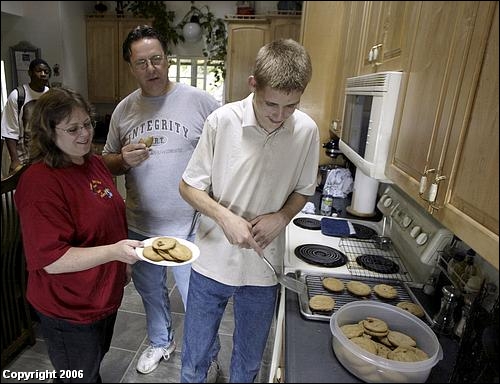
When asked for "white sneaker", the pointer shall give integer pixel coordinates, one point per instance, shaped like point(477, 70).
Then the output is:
point(151, 357)
point(213, 372)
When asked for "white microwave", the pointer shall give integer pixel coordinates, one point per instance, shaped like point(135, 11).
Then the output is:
point(370, 106)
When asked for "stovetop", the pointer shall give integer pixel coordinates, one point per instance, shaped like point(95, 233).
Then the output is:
point(350, 247)
point(416, 241)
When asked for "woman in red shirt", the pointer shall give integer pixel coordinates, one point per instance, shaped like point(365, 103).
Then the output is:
point(74, 235)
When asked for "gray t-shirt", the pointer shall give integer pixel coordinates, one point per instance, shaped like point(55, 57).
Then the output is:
point(175, 120)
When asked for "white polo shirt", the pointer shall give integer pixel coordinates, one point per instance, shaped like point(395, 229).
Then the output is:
point(251, 172)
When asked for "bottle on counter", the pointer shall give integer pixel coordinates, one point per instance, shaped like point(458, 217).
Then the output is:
point(456, 268)
point(470, 269)
point(326, 202)
point(459, 329)
point(431, 283)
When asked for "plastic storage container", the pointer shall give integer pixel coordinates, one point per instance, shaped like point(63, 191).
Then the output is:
point(375, 369)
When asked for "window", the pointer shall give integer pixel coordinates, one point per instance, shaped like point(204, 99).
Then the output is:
point(197, 72)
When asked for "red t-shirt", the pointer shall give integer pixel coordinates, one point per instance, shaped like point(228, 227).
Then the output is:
point(78, 206)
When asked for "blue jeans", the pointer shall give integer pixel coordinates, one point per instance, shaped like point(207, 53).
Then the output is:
point(254, 309)
point(151, 283)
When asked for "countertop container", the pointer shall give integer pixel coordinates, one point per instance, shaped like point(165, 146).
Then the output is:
point(375, 369)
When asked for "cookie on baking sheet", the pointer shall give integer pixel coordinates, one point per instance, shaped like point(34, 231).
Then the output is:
point(358, 288)
point(385, 291)
point(321, 303)
point(413, 308)
point(332, 284)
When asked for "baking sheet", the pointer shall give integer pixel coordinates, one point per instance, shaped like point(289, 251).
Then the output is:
point(315, 287)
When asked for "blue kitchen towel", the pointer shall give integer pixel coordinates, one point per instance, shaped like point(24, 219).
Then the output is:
point(336, 227)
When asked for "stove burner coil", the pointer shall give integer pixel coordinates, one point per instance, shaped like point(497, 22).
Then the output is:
point(321, 255)
point(307, 223)
point(376, 263)
point(363, 232)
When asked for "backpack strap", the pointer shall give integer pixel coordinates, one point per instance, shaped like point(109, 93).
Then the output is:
point(21, 96)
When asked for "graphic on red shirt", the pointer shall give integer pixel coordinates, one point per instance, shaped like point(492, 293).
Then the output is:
point(103, 192)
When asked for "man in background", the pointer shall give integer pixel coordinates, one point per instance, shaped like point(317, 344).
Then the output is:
point(15, 127)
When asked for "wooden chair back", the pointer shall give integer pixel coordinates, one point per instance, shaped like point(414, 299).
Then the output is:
point(17, 325)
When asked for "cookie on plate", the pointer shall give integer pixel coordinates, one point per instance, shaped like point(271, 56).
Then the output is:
point(149, 253)
point(180, 252)
point(332, 284)
point(164, 243)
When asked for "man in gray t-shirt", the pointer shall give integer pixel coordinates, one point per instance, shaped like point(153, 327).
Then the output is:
point(173, 115)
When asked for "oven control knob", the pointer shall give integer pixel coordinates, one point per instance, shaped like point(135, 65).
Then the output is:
point(406, 221)
point(387, 202)
point(415, 231)
point(422, 238)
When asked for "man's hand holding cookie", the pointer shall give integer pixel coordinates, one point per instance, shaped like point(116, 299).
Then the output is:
point(134, 154)
point(148, 141)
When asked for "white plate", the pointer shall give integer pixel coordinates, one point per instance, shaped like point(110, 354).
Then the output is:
point(193, 247)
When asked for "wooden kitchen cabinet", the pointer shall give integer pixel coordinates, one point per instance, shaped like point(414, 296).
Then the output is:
point(349, 60)
point(323, 35)
point(246, 35)
point(447, 122)
point(387, 29)
point(108, 75)
point(284, 26)
point(387, 25)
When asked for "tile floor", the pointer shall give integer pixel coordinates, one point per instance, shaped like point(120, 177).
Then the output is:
point(130, 339)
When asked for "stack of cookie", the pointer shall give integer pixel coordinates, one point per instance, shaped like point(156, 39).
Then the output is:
point(380, 343)
point(374, 336)
point(167, 248)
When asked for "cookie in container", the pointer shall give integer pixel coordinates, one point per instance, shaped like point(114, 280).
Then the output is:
point(372, 368)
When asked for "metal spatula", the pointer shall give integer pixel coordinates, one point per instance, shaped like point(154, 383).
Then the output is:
point(287, 281)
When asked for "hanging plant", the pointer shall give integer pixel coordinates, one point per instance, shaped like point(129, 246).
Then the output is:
point(215, 34)
point(163, 19)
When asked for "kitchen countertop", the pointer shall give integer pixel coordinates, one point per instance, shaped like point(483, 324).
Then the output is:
point(309, 357)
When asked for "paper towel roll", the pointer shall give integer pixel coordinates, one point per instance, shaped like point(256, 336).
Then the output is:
point(364, 195)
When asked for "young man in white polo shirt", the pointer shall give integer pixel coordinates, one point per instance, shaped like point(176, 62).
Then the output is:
point(253, 169)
